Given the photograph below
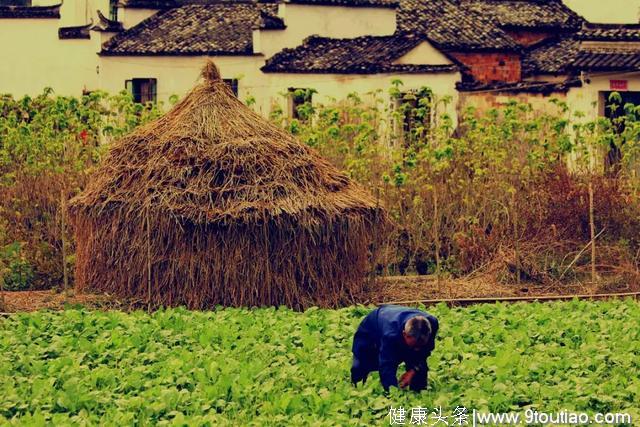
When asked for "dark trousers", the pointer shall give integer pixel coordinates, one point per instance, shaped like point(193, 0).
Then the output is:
point(366, 364)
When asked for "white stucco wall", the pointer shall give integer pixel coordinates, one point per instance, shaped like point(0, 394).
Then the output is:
point(612, 11)
point(424, 54)
point(327, 21)
point(338, 86)
point(176, 75)
point(586, 99)
point(131, 17)
point(34, 58)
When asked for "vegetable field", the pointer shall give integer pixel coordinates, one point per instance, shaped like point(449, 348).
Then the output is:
point(280, 367)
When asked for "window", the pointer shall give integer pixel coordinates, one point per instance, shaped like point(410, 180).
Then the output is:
point(413, 115)
point(233, 85)
point(113, 10)
point(143, 90)
point(614, 106)
point(300, 103)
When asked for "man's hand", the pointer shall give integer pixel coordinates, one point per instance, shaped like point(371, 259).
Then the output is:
point(406, 378)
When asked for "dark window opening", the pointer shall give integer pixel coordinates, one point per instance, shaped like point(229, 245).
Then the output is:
point(413, 115)
point(113, 10)
point(143, 90)
point(233, 85)
point(614, 110)
point(298, 100)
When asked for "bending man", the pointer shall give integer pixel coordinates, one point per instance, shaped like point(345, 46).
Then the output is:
point(388, 336)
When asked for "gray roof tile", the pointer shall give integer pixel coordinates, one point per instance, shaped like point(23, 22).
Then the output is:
point(360, 55)
point(30, 12)
point(549, 14)
point(215, 29)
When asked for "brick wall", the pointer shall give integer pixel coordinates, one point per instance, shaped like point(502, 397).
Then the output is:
point(491, 67)
point(527, 38)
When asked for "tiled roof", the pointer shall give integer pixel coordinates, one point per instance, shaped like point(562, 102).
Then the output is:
point(607, 60)
point(452, 27)
point(77, 32)
point(551, 57)
point(522, 86)
point(107, 25)
point(549, 14)
point(567, 54)
point(610, 32)
point(30, 12)
point(214, 29)
point(349, 3)
point(148, 4)
point(166, 4)
point(361, 55)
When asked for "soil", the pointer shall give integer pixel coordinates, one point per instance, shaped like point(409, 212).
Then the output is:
point(396, 289)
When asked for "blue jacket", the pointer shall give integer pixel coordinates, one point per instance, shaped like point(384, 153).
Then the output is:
point(380, 334)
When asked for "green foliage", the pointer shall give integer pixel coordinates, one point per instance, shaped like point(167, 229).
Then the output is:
point(48, 146)
point(459, 191)
point(16, 273)
point(276, 367)
point(455, 189)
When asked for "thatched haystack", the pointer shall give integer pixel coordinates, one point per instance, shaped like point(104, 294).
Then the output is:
point(211, 204)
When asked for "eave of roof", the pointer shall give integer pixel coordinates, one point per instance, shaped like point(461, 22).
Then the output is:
point(148, 4)
point(30, 12)
point(519, 87)
point(600, 60)
point(349, 3)
point(610, 32)
point(107, 25)
point(77, 32)
point(393, 68)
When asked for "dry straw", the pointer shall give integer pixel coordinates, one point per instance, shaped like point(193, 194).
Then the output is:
point(211, 204)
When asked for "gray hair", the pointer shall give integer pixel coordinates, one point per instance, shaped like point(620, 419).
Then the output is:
point(419, 328)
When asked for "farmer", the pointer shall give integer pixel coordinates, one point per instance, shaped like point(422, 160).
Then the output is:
point(388, 336)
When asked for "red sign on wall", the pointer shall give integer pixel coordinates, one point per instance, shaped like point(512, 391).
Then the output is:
point(618, 84)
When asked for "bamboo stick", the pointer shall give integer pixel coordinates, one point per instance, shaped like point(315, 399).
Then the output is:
point(593, 231)
point(65, 274)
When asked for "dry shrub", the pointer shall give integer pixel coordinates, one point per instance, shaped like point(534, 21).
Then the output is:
point(31, 207)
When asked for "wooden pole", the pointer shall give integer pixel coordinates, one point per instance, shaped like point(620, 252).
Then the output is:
point(593, 231)
point(65, 274)
point(515, 235)
point(148, 261)
point(436, 232)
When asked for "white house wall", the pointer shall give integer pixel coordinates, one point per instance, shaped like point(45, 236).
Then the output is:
point(34, 58)
point(615, 11)
point(132, 17)
point(424, 54)
point(304, 20)
point(338, 86)
point(586, 99)
point(176, 75)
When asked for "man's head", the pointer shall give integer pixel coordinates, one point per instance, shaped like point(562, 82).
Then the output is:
point(417, 332)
